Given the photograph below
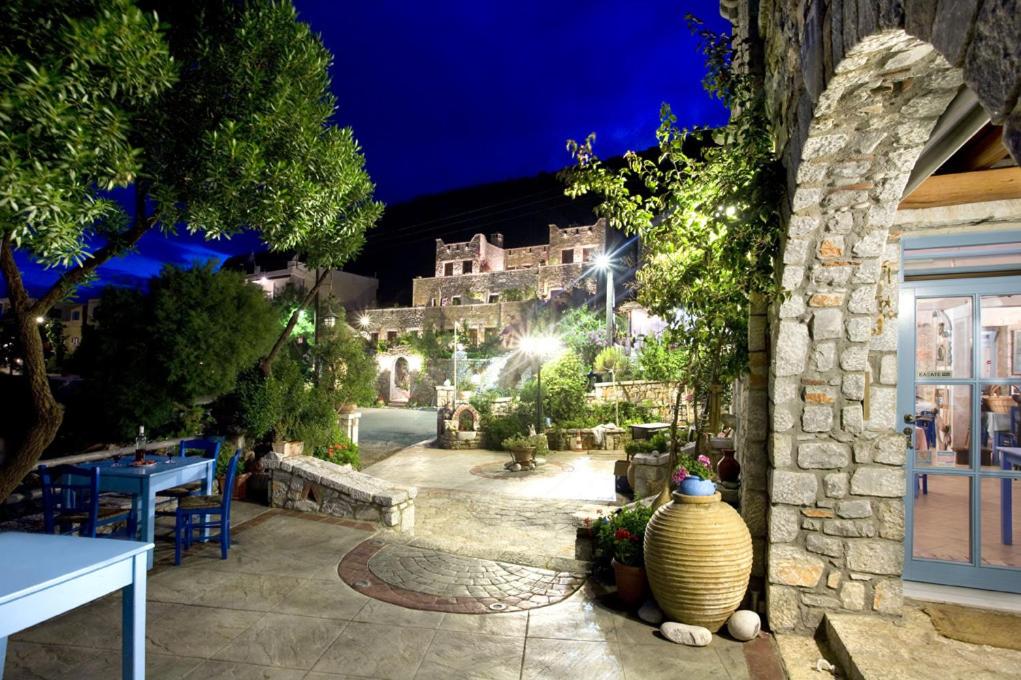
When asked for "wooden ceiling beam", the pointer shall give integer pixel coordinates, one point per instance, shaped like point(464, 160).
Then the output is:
point(965, 187)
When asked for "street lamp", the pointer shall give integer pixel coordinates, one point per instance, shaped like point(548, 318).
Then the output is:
point(540, 348)
point(605, 264)
point(364, 320)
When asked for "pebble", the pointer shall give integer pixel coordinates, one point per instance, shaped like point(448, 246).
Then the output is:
point(744, 625)
point(651, 613)
point(683, 634)
point(516, 467)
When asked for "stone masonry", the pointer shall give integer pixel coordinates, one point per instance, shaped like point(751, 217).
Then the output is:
point(853, 90)
point(313, 485)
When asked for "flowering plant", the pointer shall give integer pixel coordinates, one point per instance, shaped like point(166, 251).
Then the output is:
point(692, 466)
point(622, 534)
point(341, 451)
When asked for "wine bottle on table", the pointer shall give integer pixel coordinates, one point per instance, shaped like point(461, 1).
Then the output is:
point(140, 445)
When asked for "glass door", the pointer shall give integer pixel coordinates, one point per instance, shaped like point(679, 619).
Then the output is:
point(959, 394)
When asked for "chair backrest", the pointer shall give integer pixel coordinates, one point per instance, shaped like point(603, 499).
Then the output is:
point(70, 489)
point(210, 448)
point(228, 484)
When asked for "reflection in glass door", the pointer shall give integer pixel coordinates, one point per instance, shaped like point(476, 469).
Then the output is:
point(960, 398)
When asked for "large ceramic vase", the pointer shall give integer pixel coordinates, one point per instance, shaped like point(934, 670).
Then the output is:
point(698, 557)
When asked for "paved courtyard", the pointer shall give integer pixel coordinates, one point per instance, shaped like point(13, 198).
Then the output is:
point(278, 610)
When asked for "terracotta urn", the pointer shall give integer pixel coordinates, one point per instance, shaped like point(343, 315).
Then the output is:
point(698, 557)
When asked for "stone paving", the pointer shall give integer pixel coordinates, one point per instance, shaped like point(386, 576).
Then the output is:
point(438, 581)
point(276, 610)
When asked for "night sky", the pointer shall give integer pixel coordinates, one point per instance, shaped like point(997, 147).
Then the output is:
point(451, 94)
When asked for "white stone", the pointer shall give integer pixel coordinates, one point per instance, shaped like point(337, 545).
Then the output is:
point(825, 455)
point(878, 481)
point(835, 484)
point(851, 419)
point(651, 613)
point(862, 300)
point(883, 408)
point(792, 277)
point(793, 488)
point(854, 358)
point(826, 324)
point(792, 348)
point(792, 306)
point(783, 523)
point(683, 634)
point(823, 356)
point(859, 328)
point(888, 369)
point(852, 596)
point(853, 386)
point(817, 418)
point(744, 625)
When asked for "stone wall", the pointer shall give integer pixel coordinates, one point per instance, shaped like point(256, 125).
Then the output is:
point(481, 317)
point(853, 90)
point(313, 485)
point(659, 396)
point(441, 290)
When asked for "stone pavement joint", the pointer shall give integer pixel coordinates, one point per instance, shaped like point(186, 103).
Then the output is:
point(418, 578)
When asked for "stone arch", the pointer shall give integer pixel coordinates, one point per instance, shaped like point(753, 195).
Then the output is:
point(836, 482)
point(466, 413)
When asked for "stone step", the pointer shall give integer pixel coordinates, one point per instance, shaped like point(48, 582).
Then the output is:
point(804, 656)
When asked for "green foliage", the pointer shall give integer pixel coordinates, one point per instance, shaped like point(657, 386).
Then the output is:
point(612, 359)
point(496, 429)
point(75, 79)
point(659, 360)
point(223, 462)
point(564, 386)
point(206, 328)
point(583, 332)
point(691, 464)
point(622, 534)
point(524, 443)
point(341, 450)
point(709, 221)
point(244, 138)
point(347, 370)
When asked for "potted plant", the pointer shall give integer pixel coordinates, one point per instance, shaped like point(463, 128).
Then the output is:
point(621, 536)
point(240, 490)
point(693, 476)
point(522, 449)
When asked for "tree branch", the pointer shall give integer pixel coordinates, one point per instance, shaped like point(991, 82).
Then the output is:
point(72, 278)
point(15, 286)
point(267, 361)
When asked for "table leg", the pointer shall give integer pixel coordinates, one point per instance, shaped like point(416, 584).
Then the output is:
point(133, 621)
point(1006, 512)
point(3, 655)
point(147, 517)
point(207, 490)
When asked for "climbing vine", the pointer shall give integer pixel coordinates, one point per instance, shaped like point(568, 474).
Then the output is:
point(706, 209)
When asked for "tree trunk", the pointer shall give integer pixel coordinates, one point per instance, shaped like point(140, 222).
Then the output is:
point(266, 365)
point(44, 420)
point(47, 414)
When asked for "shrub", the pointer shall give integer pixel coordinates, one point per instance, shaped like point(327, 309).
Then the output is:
point(621, 535)
point(689, 465)
point(340, 450)
point(612, 359)
point(495, 429)
point(537, 441)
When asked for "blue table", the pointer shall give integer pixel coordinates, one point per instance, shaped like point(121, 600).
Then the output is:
point(43, 575)
point(1009, 457)
point(144, 482)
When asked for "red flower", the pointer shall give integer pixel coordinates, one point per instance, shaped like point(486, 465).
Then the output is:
point(622, 534)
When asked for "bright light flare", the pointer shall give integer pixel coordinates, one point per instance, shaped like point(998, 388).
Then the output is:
point(364, 320)
point(414, 362)
point(603, 261)
point(540, 346)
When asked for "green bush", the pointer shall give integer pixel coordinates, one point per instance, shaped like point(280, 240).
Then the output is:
point(612, 359)
point(497, 428)
point(341, 450)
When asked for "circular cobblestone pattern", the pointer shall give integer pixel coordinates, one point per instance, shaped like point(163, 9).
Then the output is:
point(427, 579)
point(496, 470)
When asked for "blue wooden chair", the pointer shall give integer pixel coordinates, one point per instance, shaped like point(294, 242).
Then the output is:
point(210, 448)
point(71, 496)
point(200, 508)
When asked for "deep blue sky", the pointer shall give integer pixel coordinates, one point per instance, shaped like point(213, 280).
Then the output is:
point(444, 95)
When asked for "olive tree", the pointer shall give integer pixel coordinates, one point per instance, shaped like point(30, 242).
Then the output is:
point(219, 123)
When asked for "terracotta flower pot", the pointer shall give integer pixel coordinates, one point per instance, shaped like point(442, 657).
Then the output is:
point(631, 584)
point(240, 491)
point(698, 554)
point(523, 456)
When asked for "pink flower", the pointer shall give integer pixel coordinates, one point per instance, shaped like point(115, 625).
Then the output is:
point(680, 474)
point(704, 459)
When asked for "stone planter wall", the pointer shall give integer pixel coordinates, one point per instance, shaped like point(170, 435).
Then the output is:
point(651, 472)
point(853, 91)
point(313, 485)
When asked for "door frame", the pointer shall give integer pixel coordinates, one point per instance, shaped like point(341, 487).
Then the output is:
point(972, 575)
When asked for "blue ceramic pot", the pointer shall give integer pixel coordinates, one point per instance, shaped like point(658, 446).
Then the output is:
point(693, 485)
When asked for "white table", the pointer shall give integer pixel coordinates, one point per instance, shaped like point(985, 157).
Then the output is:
point(43, 575)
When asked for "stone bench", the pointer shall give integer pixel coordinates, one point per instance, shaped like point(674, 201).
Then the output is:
point(312, 485)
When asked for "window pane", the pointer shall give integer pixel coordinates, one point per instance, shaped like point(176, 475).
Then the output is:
point(943, 337)
point(1001, 422)
point(1001, 336)
point(1001, 517)
point(942, 426)
point(942, 526)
